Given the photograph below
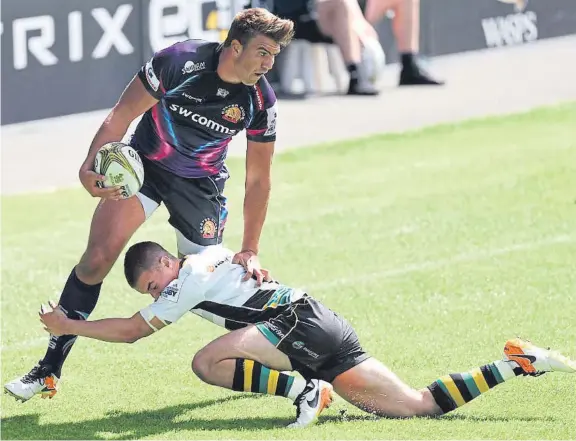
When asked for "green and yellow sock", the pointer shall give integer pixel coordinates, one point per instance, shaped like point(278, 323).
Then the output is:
point(455, 390)
point(251, 376)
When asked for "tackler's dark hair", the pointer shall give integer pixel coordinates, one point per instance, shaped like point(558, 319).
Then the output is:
point(141, 257)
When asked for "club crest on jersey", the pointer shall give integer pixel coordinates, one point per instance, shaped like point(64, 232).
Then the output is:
point(233, 113)
point(190, 67)
point(208, 228)
point(171, 292)
point(222, 92)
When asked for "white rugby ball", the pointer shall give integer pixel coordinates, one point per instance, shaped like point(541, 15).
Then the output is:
point(122, 166)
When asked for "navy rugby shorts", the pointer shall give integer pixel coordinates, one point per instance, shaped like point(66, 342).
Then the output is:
point(197, 206)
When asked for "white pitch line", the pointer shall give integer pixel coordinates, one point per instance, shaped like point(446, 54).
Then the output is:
point(435, 264)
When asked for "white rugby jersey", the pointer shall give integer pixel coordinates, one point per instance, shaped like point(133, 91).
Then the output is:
point(211, 286)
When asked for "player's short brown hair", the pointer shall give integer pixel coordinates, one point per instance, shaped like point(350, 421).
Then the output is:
point(258, 21)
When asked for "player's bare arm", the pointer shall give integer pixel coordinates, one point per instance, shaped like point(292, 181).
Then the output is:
point(134, 101)
point(114, 330)
point(257, 194)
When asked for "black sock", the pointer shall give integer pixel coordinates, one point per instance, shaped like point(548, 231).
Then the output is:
point(408, 61)
point(353, 71)
point(78, 300)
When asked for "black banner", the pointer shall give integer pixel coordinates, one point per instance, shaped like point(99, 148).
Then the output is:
point(67, 56)
point(464, 25)
point(451, 26)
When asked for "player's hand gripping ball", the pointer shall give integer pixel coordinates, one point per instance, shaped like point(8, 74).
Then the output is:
point(122, 166)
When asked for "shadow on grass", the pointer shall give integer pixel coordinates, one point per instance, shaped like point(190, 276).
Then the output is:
point(137, 425)
point(156, 422)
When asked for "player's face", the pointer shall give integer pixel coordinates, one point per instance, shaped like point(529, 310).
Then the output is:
point(154, 280)
point(256, 58)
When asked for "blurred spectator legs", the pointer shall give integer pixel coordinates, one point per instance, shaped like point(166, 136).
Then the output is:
point(406, 28)
point(342, 21)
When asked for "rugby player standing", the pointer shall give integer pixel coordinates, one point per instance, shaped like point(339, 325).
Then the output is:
point(194, 97)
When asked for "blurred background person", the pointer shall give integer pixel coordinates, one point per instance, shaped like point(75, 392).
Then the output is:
point(343, 22)
point(349, 24)
point(338, 22)
point(406, 29)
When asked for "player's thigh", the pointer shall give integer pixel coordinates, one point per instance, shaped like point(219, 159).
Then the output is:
point(113, 223)
point(373, 387)
point(247, 343)
point(326, 10)
point(198, 211)
point(375, 9)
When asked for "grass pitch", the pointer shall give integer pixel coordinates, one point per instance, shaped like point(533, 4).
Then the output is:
point(437, 245)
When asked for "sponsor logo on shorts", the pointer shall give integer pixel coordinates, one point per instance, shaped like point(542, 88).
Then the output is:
point(190, 67)
point(233, 113)
point(276, 330)
point(299, 345)
point(310, 353)
point(208, 228)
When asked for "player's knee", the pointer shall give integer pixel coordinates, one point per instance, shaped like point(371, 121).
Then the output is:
point(201, 366)
point(95, 264)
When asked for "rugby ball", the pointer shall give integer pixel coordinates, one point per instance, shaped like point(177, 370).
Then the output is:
point(122, 166)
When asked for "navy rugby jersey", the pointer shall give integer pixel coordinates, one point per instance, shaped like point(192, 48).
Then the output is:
point(187, 132)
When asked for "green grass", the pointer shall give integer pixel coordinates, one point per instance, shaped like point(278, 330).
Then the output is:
point(437, 245)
